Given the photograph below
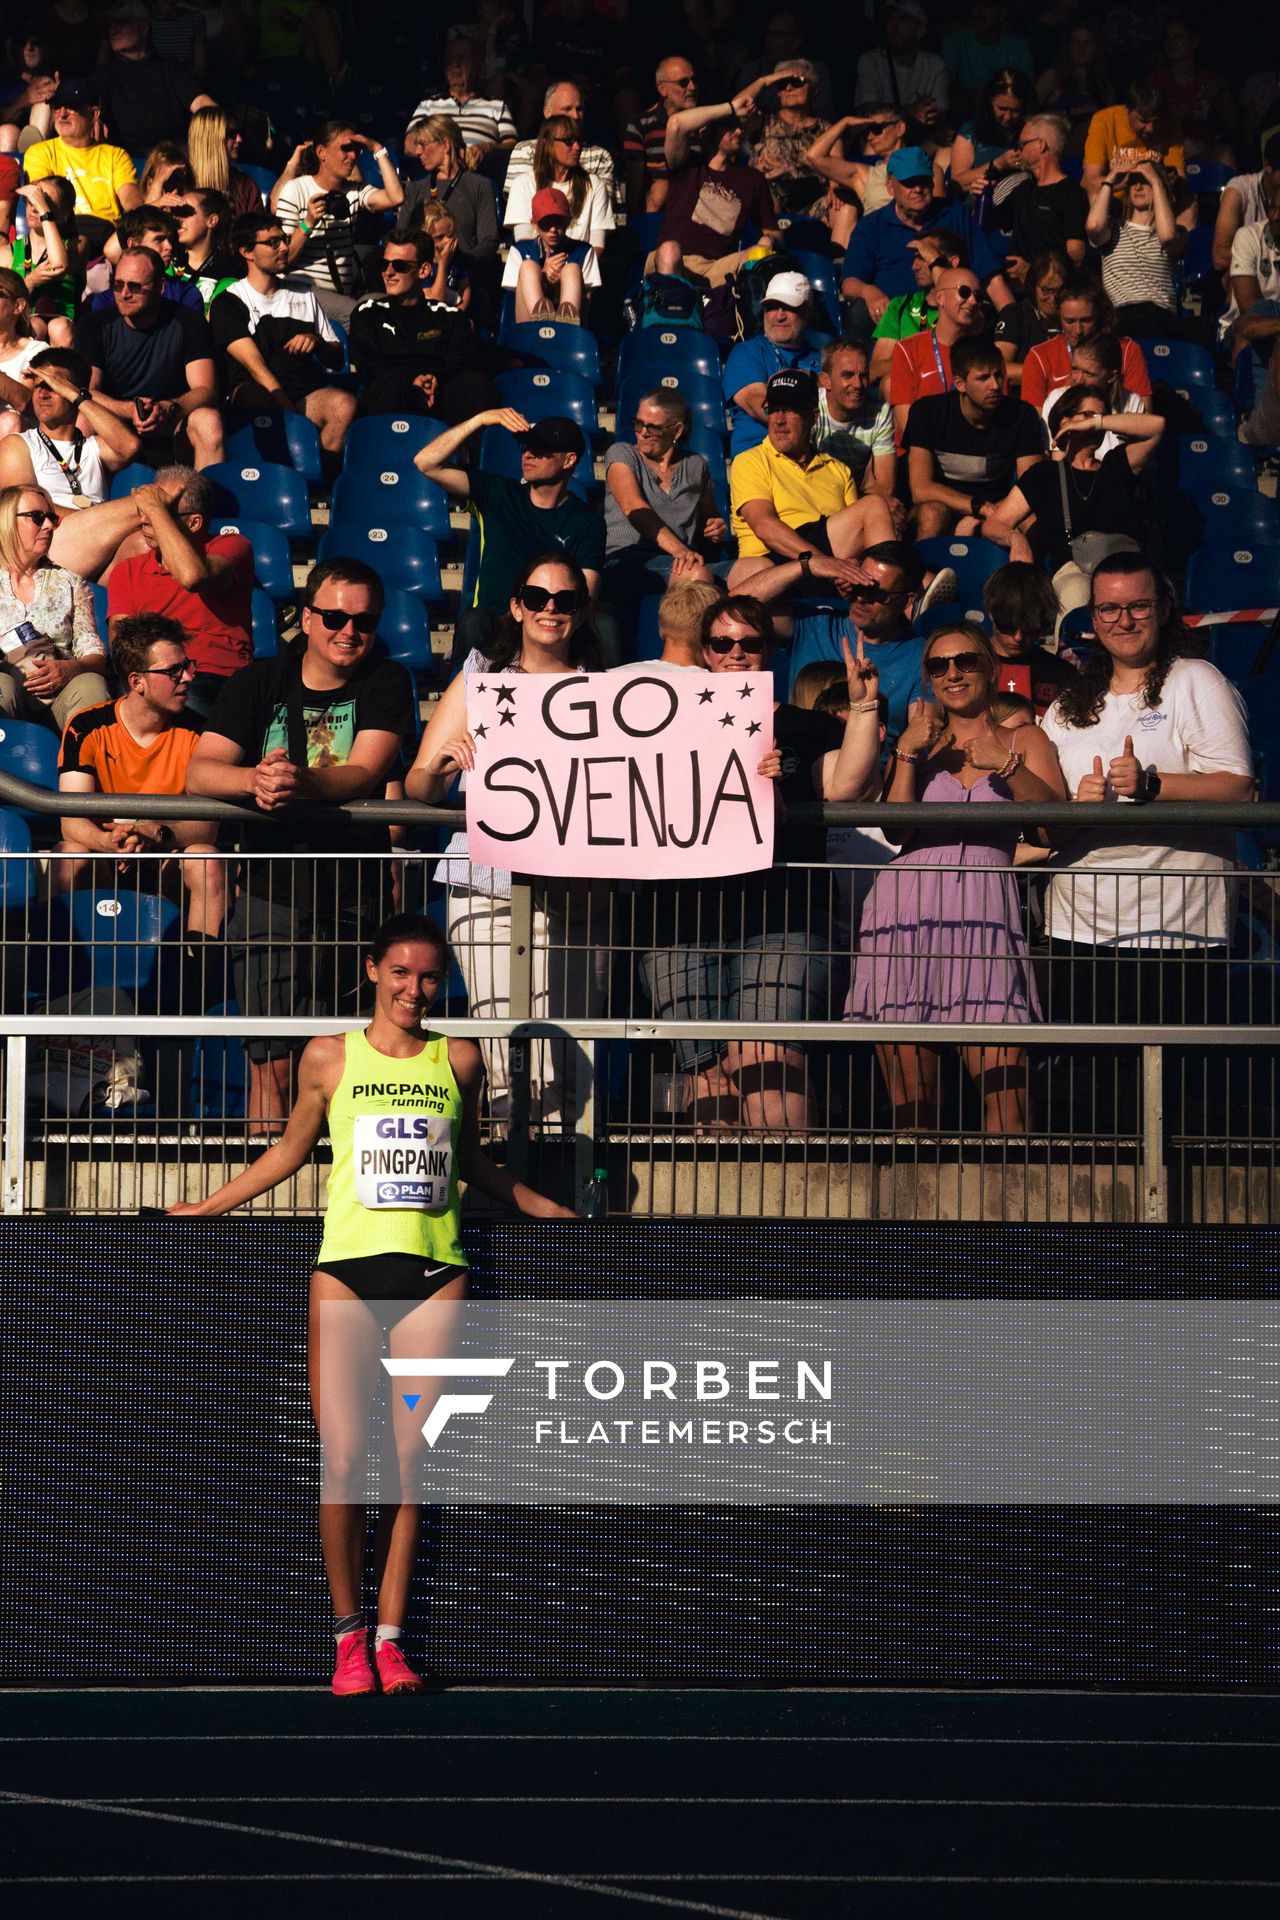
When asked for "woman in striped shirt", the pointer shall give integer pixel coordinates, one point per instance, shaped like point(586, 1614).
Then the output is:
point(1132, 223)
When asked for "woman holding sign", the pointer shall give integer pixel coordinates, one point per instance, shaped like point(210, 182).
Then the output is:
point(402, 1110)
point(546, 631)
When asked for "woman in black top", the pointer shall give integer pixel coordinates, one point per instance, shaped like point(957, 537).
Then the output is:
point(1030, 322)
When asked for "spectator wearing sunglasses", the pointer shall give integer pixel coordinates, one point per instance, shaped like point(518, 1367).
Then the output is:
point(544, 629)
point(140, 743)
point(152, 363)
point(157, 229)
point(318, 198)
point(75, 445)
point(202, 581)
point(1048, 211)
point(922, 363)
point(279, 342)
point(411, 353)
point(550, 273)
point(326, 724)
point(52, 660)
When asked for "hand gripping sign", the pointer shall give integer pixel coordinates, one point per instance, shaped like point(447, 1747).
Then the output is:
point(639, 775)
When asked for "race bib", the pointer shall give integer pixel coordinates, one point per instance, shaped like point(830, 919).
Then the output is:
point(403, 1160)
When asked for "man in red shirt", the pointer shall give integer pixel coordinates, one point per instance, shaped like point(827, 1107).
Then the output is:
point(203, 581)
point(1082, 310)
point(140, 743)
point(922, 363)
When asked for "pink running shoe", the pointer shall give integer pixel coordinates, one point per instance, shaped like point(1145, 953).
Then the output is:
point(353, 1672)
point(394, 1671)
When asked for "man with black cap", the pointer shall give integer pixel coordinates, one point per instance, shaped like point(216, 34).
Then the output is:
point(103, 175)
point(790, 503)
point(517, 519)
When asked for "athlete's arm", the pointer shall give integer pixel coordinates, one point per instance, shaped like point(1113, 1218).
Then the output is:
point(474, 1164)
point(319, 1071)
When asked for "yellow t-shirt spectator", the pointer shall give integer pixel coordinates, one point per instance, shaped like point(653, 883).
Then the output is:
point(1110, 130)
point(797, 494)
point(97, 173)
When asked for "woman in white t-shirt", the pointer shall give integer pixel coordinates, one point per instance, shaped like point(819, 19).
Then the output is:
point(557, 159)
point(321, 179)
point(1145, 721)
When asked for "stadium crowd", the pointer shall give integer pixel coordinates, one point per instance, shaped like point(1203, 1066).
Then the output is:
point(944, 372)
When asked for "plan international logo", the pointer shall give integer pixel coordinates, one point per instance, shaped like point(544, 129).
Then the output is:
point(736, 1391)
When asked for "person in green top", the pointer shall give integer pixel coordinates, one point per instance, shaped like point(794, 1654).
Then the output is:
point(916, 311)
point(401, 1108)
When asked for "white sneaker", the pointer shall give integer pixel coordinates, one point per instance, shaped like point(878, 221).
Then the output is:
point(944, 586)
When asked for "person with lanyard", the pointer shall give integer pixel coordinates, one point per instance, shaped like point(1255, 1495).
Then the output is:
point(73, 466)
point(317, 198)
point(968, 446)
point(390, 1256)
point(922, 364)
point(911, 313)
point(437, 144)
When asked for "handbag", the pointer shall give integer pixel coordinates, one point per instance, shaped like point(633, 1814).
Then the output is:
point(1088, 549)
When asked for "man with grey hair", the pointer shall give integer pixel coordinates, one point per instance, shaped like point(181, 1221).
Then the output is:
point(563, 98)
point(1047, 212)
point(203, 581)
point(644, 144)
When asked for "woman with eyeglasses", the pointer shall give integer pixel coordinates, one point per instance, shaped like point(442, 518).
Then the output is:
point(52, 660)
point(545, 631)
point(557, 162)
point(942, 936)
point(213, 145)
point(659, 504)
point(1031, 321)
point(986, 147)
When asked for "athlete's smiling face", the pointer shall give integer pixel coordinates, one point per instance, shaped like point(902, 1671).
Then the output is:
point(407, 980)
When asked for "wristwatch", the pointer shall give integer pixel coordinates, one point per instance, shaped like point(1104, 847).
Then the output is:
point(804, 559)
point(1152, 789)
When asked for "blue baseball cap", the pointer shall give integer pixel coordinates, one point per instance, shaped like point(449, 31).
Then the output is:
point(910, 163)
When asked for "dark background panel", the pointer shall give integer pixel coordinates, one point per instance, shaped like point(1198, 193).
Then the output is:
point(158, 1469)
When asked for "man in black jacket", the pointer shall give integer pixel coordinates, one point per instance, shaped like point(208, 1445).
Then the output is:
point(414, 355)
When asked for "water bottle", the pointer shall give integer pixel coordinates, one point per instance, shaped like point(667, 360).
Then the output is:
point(21, 224)
point(595, 1195)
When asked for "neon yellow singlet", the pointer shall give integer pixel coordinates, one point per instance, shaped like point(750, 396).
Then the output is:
point(393, 1187)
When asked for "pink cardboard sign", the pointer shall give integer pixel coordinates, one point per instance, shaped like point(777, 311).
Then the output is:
point(643, 774)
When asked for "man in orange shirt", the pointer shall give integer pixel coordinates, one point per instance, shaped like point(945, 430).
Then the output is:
point(1082, 309)
point(1126, 135)
point(921, 364)
point(141, 743)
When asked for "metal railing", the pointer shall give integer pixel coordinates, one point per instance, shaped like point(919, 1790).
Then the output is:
point(1146, 1086)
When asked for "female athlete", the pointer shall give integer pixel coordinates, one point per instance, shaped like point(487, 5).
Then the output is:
point(385, 1239)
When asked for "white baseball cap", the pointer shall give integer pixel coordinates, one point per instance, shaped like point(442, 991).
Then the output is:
point(791, 289)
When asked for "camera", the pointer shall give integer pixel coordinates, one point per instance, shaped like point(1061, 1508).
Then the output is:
point(336, 205)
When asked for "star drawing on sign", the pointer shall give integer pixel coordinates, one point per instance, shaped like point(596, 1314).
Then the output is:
point(506, 718)
point(506, 693)
point(480, 731)
point(726, 720)
point(704, 696)
point(744, 693)
point(754, 727)
point(480, 687)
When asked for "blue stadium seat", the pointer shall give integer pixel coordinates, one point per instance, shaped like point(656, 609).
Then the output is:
point(263, 491)
point(285, 439)
point(550, 343)
point(819, 270)
point(1235, 649)
point(1217, 414)
point(272, 567)
point(655, 351)
point(266, 630)
point(705, 398)
point(648, 641)
point(1179, 364)
point(371, 172)
point(262, 177)
point(404, 557)
point(116, 940)
point(387, 440)
point(1207, 465)
point(1259, 696)
point(405, 632)
point(962, 609)
point(29, 752)
point(394, 496)
point(535, 395)
point(219, 1073)
point(136, 474)
point(1226, 580)
point(17, 876)
point(500, 453)
point(99, 593)
point(974, 561)
point(1207, 176)
point(1231, 516)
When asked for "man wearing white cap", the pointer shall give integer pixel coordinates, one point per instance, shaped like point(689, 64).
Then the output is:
point(753, 363)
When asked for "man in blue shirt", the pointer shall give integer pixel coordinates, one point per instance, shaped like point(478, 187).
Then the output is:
point(878, 264)
point(753, 363)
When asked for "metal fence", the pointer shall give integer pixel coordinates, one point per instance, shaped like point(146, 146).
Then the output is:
point(690, 1039)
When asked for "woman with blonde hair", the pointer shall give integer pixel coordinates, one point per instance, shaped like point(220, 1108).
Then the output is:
point(557, 162)
point(436, 144)
point(165, 172)
point(213, 145)
point(53, 658)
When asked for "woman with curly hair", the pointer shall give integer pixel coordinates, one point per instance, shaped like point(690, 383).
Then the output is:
point(1140, 932)
point(557, 162)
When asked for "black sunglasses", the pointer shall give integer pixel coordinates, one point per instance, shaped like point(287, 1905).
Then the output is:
point(399, 266)
point(876, 596)
point(177, 674)
point(37, 516)
point(722, 643)
point(335, 619)
point(538, 599)
point(965, 293)
point(938, 663)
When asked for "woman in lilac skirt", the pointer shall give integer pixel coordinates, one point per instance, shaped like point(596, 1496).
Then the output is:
point(941, 937)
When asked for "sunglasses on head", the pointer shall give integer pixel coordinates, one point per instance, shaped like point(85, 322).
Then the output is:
point(725, 643)
point(539, 599)
point(334, 619)
point(936, 665)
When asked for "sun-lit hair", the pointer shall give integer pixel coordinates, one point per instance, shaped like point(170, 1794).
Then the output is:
point(10, 500)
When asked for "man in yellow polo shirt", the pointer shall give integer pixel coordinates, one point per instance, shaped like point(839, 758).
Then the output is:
point(1124, 136)
point(102, 175)
point(790, 503)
